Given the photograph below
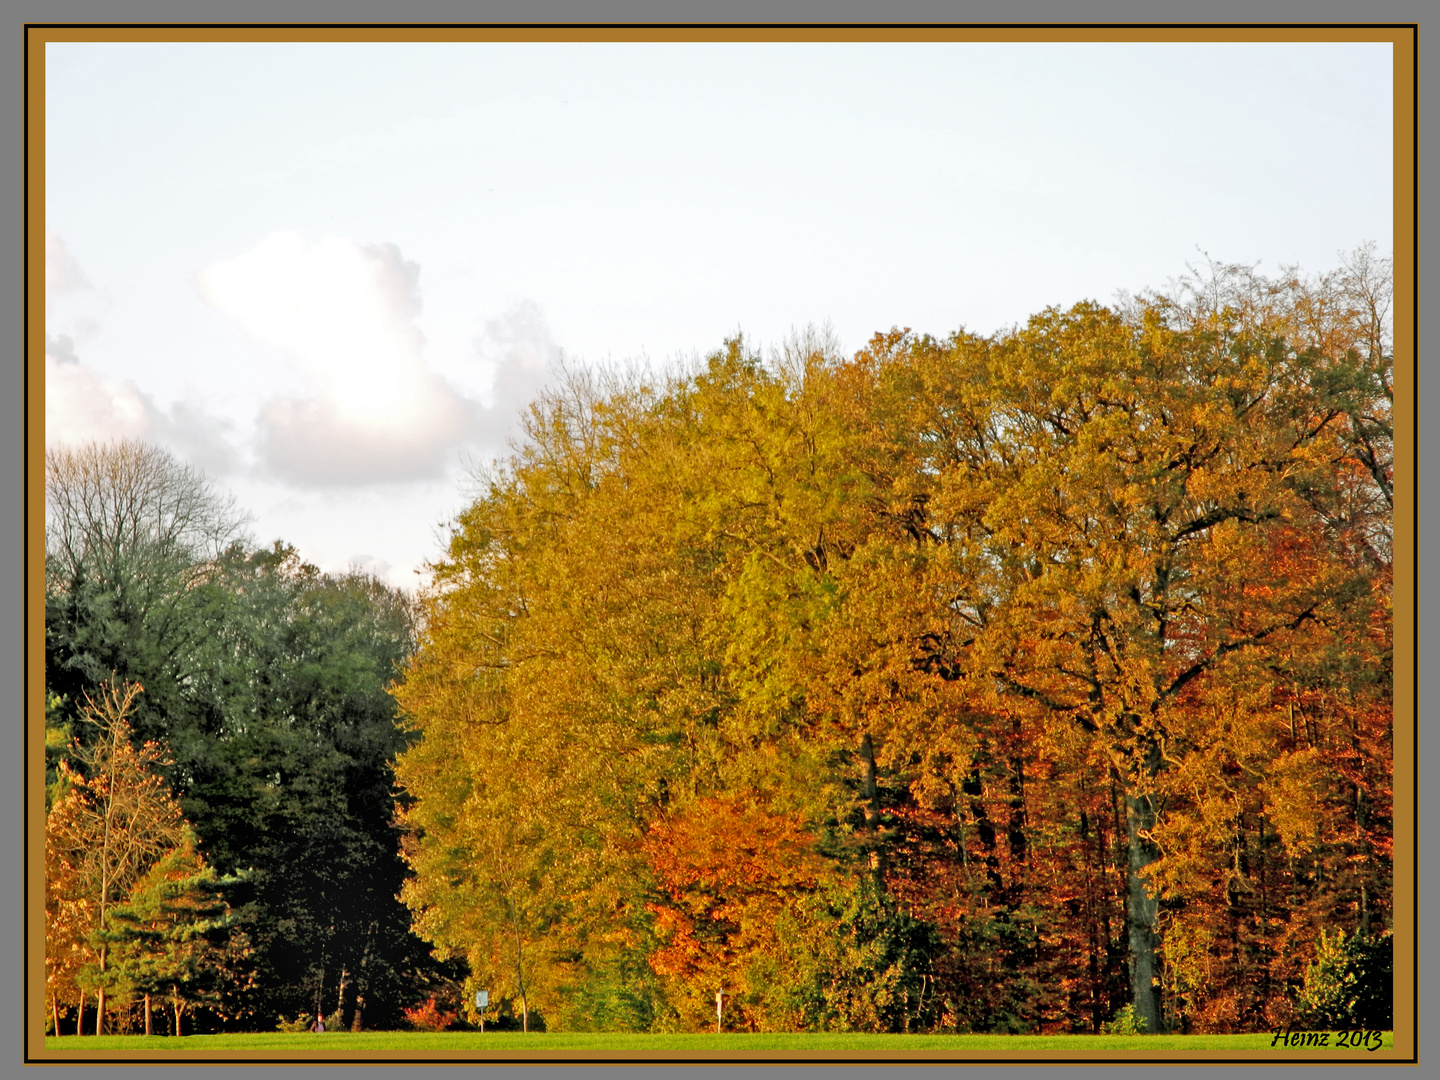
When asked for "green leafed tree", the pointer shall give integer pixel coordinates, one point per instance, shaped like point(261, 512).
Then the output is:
point(266, 681)
point(1348, 984)
point(285, 764)
point(128, 532)
point(173, 939)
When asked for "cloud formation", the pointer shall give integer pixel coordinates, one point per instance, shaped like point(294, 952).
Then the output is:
point(62, 272)
point(80, 405)
point(344, 313)
point(72, 304)
point(518, 345)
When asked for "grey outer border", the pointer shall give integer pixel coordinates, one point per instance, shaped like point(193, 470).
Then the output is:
point(13, 457)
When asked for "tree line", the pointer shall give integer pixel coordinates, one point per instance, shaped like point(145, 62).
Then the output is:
point(1030, 682)
point(232, 700)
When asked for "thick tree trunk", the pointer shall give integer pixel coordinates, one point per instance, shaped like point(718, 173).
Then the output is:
point(147, 1012)
point(100, 1007)
point(985, 832)
point(1142, 910)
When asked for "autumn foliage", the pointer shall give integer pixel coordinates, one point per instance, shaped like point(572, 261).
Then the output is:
point(429, 1016)
point(129, 900)
point(976, 684)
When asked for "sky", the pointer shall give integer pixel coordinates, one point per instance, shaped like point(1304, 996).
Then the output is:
point(332, 275)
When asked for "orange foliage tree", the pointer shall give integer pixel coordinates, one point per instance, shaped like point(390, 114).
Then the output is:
point(115, 821)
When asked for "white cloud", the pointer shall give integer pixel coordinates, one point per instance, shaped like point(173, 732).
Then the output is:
point(518, 344)
point(72, 303)
point(62, 273)
point(80, 405)
point(344, 313)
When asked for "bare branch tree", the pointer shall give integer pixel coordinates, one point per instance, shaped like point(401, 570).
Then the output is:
point(114, 509)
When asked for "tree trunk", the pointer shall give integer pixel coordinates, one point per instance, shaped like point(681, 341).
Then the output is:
point(80, 1016)
point(974, 788)
point(147, 1012)
point(1015, 827)
point(1142, 910)
point(872, 807)
point(175, 1001)
point(1093, 940)
point(55, 1010)
point(519, 966)
point(360, 979)
point(1015, 823)
point(100, 993)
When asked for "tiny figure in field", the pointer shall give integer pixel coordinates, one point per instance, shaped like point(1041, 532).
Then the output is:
point(319, 1026)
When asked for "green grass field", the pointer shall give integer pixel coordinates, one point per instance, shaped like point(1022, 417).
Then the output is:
point(379, 1045)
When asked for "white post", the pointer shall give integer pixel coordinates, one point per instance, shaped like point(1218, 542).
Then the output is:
point(719, 1009)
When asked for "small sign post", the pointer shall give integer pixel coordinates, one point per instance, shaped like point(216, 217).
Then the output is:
point(482, 999)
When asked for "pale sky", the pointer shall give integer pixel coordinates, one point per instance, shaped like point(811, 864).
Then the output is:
point(330, 274)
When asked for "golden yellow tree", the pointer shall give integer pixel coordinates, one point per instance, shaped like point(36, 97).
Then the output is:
point(827, 587)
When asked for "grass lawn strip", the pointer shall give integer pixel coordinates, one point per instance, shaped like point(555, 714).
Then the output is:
point(499, 1045)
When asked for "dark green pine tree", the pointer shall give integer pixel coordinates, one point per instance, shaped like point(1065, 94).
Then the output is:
point(175, 940)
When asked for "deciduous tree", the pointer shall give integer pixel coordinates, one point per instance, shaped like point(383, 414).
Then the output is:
point(1011, 627)
point(116, 821)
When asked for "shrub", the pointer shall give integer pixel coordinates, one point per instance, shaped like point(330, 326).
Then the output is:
point(429, 1016)
point(1348, 984)
point(1124, 1023)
